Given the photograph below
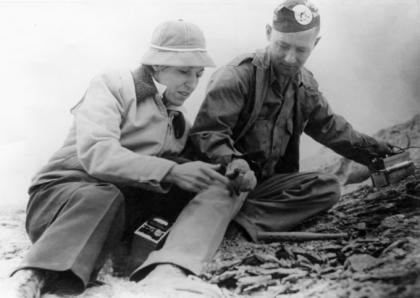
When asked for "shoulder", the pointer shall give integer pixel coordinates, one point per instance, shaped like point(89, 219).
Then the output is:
point(241, 59)
point(239, 70)
point(119, 82)
point(115, 84)
point(115, 79)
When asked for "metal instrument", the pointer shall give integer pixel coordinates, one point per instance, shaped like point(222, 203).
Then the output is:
point(392, 169)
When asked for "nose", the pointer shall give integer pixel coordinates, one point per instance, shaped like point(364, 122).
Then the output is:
point(290, 57)
point(191, 82)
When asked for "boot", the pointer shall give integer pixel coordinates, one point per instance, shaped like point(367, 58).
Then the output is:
point(168, 280)
point(27, 283)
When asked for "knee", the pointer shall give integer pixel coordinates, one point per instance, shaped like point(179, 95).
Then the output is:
point(73, 199)
point(331, 187)
point(219, 197)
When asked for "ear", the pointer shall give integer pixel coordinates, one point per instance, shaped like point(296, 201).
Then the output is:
point(268, 30)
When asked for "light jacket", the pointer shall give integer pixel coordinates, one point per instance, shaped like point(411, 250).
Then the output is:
point(121, 133)
point(234, 97)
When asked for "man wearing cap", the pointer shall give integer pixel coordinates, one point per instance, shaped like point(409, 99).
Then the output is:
point(253, 115)
point(121, 165)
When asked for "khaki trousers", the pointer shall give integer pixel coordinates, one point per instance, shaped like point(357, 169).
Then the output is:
point(277, 204)
point(285, 200)
point(74, 224)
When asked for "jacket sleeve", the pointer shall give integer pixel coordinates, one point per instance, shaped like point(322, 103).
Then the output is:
point(98, 118)
point(335, 132)
point(212, 133)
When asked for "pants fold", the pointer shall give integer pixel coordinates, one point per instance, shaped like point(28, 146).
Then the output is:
point(285, 200)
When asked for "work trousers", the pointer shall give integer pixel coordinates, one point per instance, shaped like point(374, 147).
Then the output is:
point(285, 200)
point(276, 204)
point(74, 224)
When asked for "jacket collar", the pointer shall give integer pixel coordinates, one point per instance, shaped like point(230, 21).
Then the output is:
point(146, 87)
point(143, 83)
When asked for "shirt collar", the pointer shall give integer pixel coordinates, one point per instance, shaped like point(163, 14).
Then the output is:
point(181, 109)
point(159, 87)
point(161, 90)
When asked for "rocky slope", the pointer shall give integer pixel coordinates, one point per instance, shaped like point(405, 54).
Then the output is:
point(348, 172)
point(380, 258)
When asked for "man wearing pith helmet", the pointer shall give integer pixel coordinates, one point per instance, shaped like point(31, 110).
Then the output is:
point(253, 115)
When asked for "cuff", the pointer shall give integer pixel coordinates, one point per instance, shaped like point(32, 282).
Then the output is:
point(160, 257)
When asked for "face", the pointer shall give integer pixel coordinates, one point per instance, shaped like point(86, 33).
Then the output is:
point(180, 81)
point(289, 51)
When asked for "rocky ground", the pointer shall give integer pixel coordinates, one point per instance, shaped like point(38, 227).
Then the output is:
point(380, 257)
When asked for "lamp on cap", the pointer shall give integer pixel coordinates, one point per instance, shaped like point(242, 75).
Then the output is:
point(296, 16)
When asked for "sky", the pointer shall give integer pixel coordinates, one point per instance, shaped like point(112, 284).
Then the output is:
point(367, 63)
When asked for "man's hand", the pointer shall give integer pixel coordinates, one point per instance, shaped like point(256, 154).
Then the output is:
point(384, 148)
point(195, 176)
point(241, 176)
